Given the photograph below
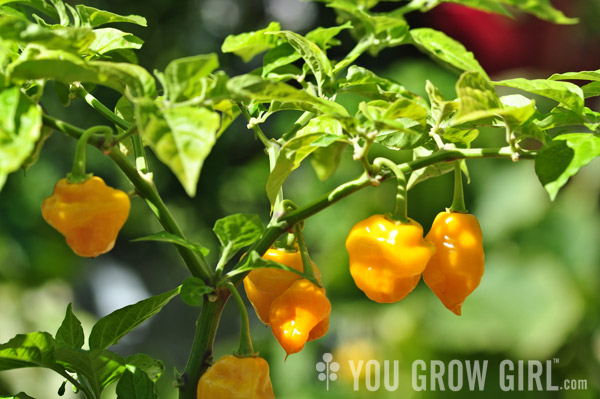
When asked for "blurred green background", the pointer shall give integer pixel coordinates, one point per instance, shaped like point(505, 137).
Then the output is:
point(539, 298)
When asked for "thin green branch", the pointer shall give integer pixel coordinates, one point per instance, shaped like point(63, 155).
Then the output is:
point(458, 200)
point(101, 108)
point(400, 213)
point(198, 266)
point(245, 349)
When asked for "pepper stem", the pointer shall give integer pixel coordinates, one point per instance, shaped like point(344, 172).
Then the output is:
point(78, 174)
point(458, 201)
point(245, 349)
point(307, 267)
point(400, 206)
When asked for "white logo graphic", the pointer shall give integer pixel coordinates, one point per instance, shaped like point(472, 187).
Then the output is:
point(327, 369)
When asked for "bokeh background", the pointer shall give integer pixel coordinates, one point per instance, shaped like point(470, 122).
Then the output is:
point(539, 298)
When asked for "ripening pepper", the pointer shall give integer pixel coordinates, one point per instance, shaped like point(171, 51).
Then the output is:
point(456, 269)
point(89, 214)
point(233, 377)
point(264, 285)
point(387, 257)
point(300, 314)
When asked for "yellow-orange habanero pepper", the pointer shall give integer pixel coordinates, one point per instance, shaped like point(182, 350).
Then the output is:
point(456, 269)
point(234, 377)
point(89, 214)
point(387, 257)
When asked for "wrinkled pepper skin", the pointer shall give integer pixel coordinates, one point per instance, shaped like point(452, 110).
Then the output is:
point(264, 285)
point(456, 269)
point(89, 214)
point(300, 314)
point(234, 377)
point(387, 257)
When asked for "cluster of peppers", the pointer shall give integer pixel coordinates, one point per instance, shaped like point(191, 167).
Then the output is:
point(387, 257)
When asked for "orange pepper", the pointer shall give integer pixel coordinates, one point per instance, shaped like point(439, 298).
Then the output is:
point(295, 314)
point(387, 257)
point(234, 377)
point(89, 214)
point(264, 285)
point(456, 269)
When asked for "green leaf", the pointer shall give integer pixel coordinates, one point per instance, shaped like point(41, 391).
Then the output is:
point(62, 38)
point(568, 94)
point(476, 97)
point(236, 232)
point(251, 87)
point(70, 333)
point(99, 367)
point(315, 58)
point(582, 75)
point(180, 137)
point(193, 291)
point(165, 236)
point(293, 153)
point(325, 160)
point(94, 17)
point(110, 39)
point(563, 157)
point(39, 63)
point(45, 133)
point(281, 55)
point(20, 395)
point(20, 126)
point(110, 329)
point(247, 45)
point(183, 76)
point(152, 367)
point(255, 261)
point(325, 37)
point(427, 172)
point(443, 48)
point(27, 350)
point(591, 89)
point(440, 108)
point(135, 385)
point(542, 9)
point(366, 83)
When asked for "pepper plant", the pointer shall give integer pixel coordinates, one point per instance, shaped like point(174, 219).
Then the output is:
point(179, 113)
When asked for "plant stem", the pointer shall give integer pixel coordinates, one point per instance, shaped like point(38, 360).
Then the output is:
point(198, 267)
point(257, 130)
point(400, 204)
point(458, 201)
point(245, 349)
point(88, 394)
point(101, 108)
point(299, 124)
point(201, 353)
point(78, 174)
point(307, 267)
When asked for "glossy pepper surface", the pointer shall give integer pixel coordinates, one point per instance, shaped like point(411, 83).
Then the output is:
point(387, 257)
point(300, 314)
point(234, 377)
point(264, 285)
point(456, 269)
point(89, 214)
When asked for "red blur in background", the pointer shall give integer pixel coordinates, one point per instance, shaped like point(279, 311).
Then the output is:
point(525, 42)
